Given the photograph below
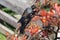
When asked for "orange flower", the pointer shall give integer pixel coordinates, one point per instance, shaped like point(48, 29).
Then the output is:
point(16, 38)
point(35, 18)
point(7, 34)
point(51, 13)
point(35, 30)
point(48, 17)
point(43, 12)
point(44, 19)
point(12, 37)
point(59, 14)
point(24, 37)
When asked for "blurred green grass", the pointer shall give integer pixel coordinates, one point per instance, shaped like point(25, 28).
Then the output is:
point(2, 37)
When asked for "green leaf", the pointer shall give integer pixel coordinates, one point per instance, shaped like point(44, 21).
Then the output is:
point(2, 37)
